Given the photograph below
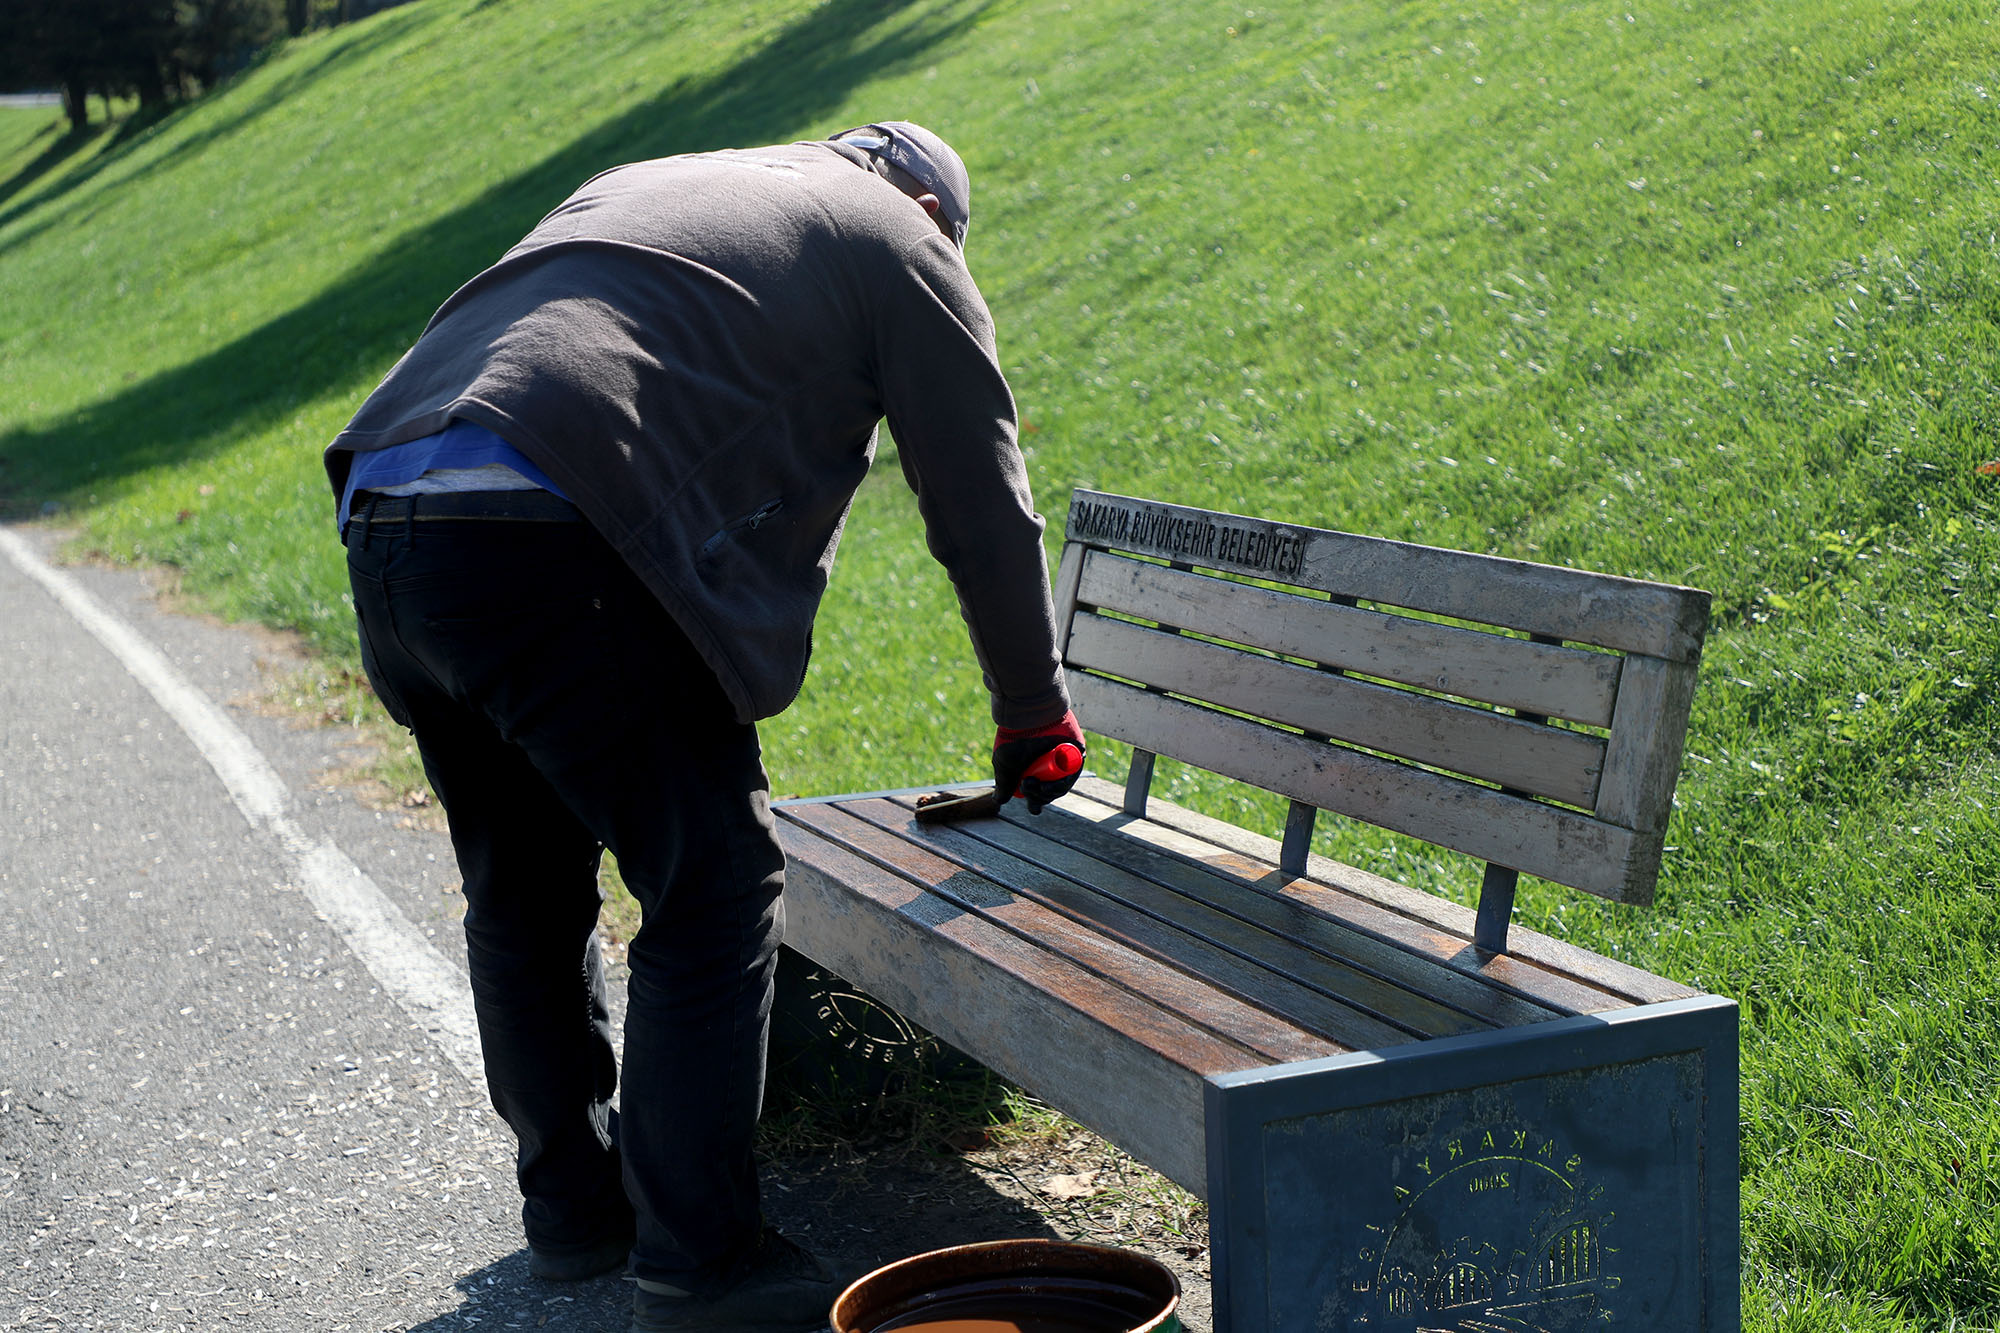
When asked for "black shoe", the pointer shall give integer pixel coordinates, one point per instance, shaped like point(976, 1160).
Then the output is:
point(777, 1288)
point(580, 1263)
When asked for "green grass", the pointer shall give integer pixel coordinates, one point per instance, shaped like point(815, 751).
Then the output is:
point(1702, 293)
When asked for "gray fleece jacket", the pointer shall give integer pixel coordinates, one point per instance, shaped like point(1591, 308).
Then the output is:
point(698, 351)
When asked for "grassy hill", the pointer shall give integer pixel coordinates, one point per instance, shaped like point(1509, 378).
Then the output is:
point(1694, 292)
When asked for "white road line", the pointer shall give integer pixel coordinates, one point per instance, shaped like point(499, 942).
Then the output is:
point(428, 987)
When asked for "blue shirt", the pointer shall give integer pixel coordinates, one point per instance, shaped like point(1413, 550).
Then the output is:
point(459, 445)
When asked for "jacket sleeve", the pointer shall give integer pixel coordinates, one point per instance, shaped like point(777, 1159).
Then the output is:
point(950, 410)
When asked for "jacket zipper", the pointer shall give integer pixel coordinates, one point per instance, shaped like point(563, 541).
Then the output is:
point(750, 522)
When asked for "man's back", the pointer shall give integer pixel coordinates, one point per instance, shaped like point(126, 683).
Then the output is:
point(697, 351)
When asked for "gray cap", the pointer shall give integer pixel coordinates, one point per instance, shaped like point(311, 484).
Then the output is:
point(929, 159)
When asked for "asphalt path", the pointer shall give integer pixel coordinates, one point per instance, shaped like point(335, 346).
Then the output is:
point(238, 1087)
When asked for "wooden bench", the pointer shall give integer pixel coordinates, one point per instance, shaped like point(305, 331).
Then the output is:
point(1401, 1115)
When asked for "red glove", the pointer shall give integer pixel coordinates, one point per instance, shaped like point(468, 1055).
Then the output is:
point(1038, 764)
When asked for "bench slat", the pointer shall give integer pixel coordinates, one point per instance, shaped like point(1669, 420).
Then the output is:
point(1537, 987)
point(1114, 1062)
point(1658, 620)
point(1492, 747)
point(1313, 991)
point(1215, 841)
point(1546, 679)
point(1498, 990)
point(1206, 987)
point(1535, 839)
point(1182, 998)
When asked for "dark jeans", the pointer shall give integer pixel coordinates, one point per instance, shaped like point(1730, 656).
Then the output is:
point(558, 711)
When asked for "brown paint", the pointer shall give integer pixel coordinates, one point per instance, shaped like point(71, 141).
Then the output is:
point(1019, 1312)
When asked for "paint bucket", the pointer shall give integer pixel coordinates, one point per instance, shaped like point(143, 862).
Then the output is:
point(1014, 1286)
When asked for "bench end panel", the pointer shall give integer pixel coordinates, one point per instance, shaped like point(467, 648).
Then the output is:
point(1554, 1177)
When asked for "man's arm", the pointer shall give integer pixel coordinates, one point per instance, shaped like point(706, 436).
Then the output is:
point(950, 410)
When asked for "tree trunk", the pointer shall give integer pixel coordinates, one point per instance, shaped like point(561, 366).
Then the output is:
point(152, 85)
point(76, 103)
point(298, 16)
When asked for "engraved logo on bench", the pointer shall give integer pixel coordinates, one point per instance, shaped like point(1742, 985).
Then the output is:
point(1498, 1228)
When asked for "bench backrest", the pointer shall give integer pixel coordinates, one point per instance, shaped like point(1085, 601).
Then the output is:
point(1527, 715)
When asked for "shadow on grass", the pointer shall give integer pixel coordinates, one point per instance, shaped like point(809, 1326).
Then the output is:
point(132, 128)
point(68, 143)
point(358, 324)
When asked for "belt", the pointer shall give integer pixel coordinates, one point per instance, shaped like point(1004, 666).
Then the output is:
point(372, 508)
